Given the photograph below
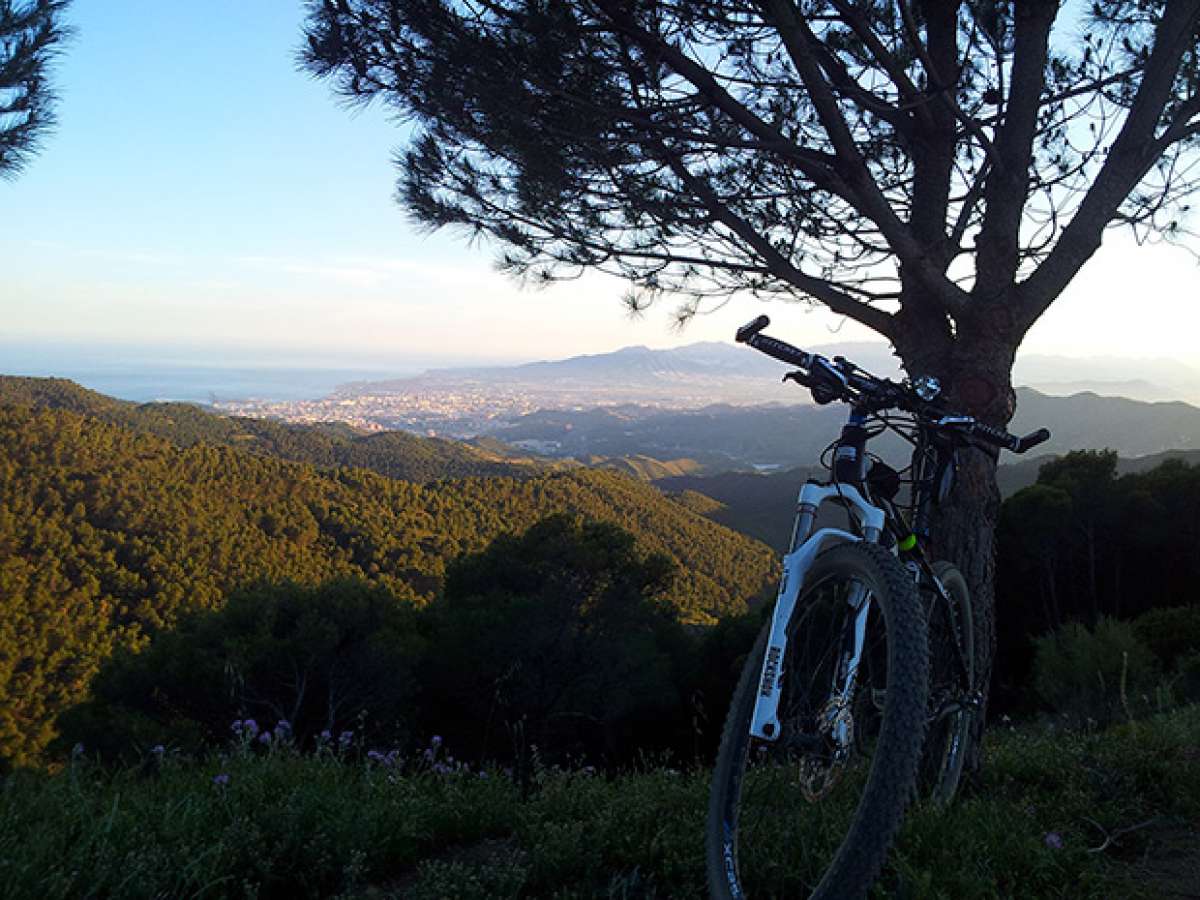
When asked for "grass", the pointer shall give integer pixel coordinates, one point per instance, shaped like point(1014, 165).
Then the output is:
point(1111, 814)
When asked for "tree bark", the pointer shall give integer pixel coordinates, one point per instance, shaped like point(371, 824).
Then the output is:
point(975, 370)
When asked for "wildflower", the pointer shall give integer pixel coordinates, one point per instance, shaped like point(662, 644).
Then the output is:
point(284, 727)
point(158, 749)
point(345, 739)
point(1053, 840)
point(326, 735)
point(436, 742)
point(221, 780)
point(265, 737)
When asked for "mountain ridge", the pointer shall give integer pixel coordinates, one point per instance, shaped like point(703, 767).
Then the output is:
point(1154, 378)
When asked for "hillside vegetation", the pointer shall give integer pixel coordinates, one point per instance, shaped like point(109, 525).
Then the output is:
point(108, 535)
point(392, 453)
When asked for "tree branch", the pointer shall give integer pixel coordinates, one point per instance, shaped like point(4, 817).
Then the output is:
point(779, 265)
point(1008, 183)
point(1131, 156)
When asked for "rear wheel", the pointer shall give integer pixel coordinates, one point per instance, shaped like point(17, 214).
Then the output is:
point(812, 814)
point(952, 686)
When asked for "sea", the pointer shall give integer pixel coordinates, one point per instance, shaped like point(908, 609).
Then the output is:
point(205, 378)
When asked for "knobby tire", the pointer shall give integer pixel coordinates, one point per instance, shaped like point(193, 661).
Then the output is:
point(893, 729)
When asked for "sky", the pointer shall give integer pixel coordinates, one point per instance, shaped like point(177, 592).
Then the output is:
point(204, 199)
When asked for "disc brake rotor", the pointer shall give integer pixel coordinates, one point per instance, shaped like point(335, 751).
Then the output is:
point(820, 773)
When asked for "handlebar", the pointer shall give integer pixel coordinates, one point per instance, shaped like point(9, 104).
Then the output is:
point(840, 379)
point(1002, 438)
point(780, 350)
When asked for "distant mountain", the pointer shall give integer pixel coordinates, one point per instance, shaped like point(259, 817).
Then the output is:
point(782, 437)
point(1150, 379)
point(727, 365)
point(1089, 421)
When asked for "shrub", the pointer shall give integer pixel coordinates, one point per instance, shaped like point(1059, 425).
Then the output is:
point(332, 657)
point(557, 638)
point(1080, 672)
point(1171, 633)
point(1187, 674)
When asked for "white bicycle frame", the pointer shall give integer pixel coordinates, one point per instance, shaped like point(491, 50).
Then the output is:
point(805, 547)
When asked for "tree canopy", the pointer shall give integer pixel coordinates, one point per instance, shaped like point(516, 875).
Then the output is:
point(31, 34)
point(934, 170)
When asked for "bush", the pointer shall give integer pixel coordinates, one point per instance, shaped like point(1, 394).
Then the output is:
point(333, 657)
point(1170, 633)
point(557, 638)
point(1080, 673)
point(1187, 678)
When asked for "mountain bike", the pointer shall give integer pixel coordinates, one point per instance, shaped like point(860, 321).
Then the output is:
point(861, 689)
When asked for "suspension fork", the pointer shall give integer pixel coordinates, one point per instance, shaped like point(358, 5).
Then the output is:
point(806, 544)
point(853, 642)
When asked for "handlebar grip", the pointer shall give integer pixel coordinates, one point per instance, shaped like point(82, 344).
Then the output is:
point(997, 436)
point(1032, 440)
point(1002, 438)
point(780, 350)
point(750, 329)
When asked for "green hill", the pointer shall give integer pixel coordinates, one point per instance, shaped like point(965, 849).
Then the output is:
point(647, 468)
point(392, 453)
point(107, 534)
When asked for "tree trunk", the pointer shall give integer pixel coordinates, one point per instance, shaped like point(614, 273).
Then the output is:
point(976, 374)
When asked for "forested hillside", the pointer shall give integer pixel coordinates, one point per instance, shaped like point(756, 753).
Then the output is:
point(392, 453)
point(107, 535)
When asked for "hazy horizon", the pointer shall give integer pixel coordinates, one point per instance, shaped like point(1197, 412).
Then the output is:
point(199, 373)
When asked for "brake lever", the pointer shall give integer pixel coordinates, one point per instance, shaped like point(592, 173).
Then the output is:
point(799, 377)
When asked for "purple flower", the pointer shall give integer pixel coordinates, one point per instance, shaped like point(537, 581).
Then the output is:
point(1053, 840)
point(326, 735)
point(437, 741)
point(265, 737)
point(221, 780)
point(386, 760)
point(158, 749)
point(284, 725)
point(345, 739)
point(249, 726)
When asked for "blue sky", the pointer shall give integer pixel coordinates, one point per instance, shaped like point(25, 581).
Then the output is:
point(203, 196)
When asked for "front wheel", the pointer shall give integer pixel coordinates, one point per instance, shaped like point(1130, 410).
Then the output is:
point(813, 813)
